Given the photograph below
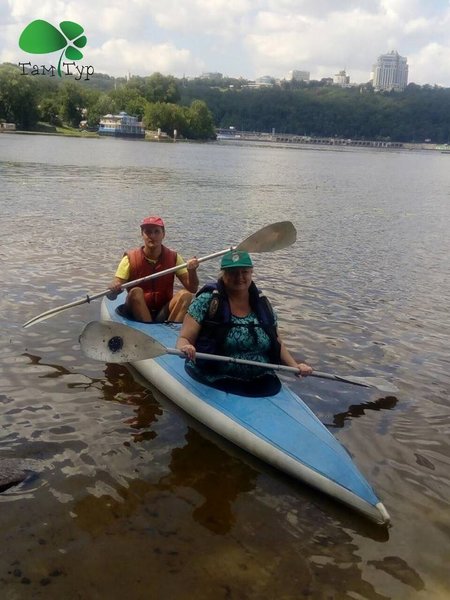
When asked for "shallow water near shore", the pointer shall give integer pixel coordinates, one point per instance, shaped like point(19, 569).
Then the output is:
point(128, 495)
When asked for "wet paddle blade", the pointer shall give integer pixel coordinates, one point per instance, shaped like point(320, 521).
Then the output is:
point(53, 311)
point(116, 343)
point(270, 238)
point(376, 382)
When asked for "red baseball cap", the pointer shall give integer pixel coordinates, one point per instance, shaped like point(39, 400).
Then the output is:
point(152, 221)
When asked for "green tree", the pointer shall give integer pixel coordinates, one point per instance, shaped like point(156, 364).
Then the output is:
point(137, 107)
point(71, 102)
point(48, 111)
point(200, 124)
point(103, 105)
point(160, 88)
point(18, 98)
point(129, 99)
point(165, 116)
point(155, 88)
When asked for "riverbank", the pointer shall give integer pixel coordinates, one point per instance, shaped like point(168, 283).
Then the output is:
point(309, 141)
point(150, 136)
point(64, 131)
point(298, 141)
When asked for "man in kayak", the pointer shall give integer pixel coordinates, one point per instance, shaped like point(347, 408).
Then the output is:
point(233, 318)
point(154, 300)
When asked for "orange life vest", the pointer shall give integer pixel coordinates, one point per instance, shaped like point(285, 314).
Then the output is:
point(157, 291)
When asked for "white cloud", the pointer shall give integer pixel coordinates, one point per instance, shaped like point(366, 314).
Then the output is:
point(29, 10)
point(320, 46)
point(419, 25)
point(220, 18)
point(431, 64)
point(119, 57)
point(321, 8)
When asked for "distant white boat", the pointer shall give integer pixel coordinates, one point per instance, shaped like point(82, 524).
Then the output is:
point(121, 125)
point(227, 134)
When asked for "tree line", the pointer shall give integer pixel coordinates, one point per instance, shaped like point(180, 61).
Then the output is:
point(32, 101)
point(318, 109)
point(196, 107)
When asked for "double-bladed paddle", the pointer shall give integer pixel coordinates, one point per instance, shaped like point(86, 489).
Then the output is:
point(117, 343)
point(268, 239)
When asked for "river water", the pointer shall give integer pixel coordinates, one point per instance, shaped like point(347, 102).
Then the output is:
point(127, 496)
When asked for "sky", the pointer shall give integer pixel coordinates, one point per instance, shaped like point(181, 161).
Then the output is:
point(243, 38)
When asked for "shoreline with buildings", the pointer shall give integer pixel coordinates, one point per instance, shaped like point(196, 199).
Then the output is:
point(297, 141)
point(236, 136)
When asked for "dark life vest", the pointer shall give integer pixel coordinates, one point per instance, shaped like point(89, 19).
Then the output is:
point(217, 323)
point(157, 291)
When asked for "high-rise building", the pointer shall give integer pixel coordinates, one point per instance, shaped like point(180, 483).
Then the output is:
point(296, 75)
point(390, 73)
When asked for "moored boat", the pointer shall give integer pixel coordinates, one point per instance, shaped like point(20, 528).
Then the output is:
point(280, 430)
point(121, 125)
point(229, 134)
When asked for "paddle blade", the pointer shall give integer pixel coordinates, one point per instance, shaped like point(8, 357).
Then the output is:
point(271, 238)
point(116, 343)
point(54, 311)
point(376, 382)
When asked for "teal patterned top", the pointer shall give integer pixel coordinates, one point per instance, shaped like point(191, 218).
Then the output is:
point(250, 343)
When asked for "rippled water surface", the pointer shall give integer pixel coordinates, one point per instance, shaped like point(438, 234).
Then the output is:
point(127, 496)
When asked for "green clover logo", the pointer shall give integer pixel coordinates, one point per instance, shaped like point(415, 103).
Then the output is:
point(40, 37)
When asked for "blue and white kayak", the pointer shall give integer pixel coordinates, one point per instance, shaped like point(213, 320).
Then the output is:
point(280, 430)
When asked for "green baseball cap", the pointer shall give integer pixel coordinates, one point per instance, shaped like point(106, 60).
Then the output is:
point(236, 258)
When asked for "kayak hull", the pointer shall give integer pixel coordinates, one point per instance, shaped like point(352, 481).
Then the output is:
point(280, 430)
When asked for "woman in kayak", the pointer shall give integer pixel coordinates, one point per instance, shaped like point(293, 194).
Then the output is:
point(232, 318)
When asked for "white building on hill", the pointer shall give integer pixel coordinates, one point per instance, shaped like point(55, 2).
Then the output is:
point(390, 73)
point(296, 75)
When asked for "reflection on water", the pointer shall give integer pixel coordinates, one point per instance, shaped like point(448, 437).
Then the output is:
point(199, 466)
point(215, 475)
point(54, 371)
point(399, 569)
point(121, 476)
point(358, 410)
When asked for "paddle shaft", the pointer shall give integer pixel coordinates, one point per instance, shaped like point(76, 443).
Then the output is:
point(255, 363)
point(268, 239)
point(87, 299)
point(166, 271)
